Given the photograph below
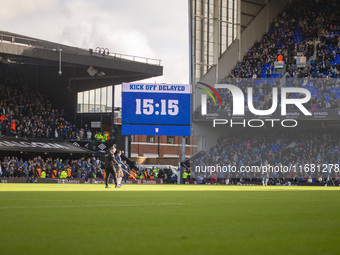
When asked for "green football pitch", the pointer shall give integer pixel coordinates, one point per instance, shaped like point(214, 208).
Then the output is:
point(168, 219)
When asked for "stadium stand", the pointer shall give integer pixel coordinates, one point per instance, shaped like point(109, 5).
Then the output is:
point(325, 93)
point(53, 167)
point(306, 147)
point(309, 27)
point(26, 113)
point(302, 26)
point(17, 167)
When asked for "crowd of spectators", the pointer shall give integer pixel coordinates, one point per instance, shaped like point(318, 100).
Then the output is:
point(91, 167)
point(295, 30)
point(308, 27)
point(53, 167)
point(26, 113)
point(168, 175)
point(80, 168)
point(325, 93)
point(299, 149)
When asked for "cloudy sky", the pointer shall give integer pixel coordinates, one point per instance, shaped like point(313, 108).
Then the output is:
point(149, 28)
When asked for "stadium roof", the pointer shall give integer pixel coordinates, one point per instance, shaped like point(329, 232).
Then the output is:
point(39, 145)
point(107, 68)
point(249, 10)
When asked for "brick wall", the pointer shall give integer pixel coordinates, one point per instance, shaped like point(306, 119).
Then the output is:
point(160, 148)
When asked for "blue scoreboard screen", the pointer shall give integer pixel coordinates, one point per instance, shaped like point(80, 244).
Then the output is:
point(156, 109)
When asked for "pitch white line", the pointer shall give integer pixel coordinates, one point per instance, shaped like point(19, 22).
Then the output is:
point(72, 206)
point(77, 201)
point(74, 201)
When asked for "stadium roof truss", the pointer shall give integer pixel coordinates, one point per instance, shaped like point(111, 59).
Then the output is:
point(84, 69)
point(214, 26)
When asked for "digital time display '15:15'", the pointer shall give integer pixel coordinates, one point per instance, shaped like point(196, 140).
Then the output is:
point(147, 107)
point(156, 108)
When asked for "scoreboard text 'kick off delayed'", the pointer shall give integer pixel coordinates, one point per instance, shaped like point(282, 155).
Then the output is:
point(156, 109)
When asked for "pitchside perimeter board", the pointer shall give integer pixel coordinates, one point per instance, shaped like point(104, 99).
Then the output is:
point(156, 109)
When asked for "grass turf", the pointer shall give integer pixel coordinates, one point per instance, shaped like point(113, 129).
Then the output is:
point(168, 219)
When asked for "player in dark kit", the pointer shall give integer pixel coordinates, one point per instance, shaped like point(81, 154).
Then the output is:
point(111, 166)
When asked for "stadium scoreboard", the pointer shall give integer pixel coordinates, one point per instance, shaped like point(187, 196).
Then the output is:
point(156, 109)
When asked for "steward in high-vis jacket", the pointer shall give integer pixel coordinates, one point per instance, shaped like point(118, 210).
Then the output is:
point(43, 174)
point(106, 136)
point(184, 175)
point(63, 174)
point(54, 174)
